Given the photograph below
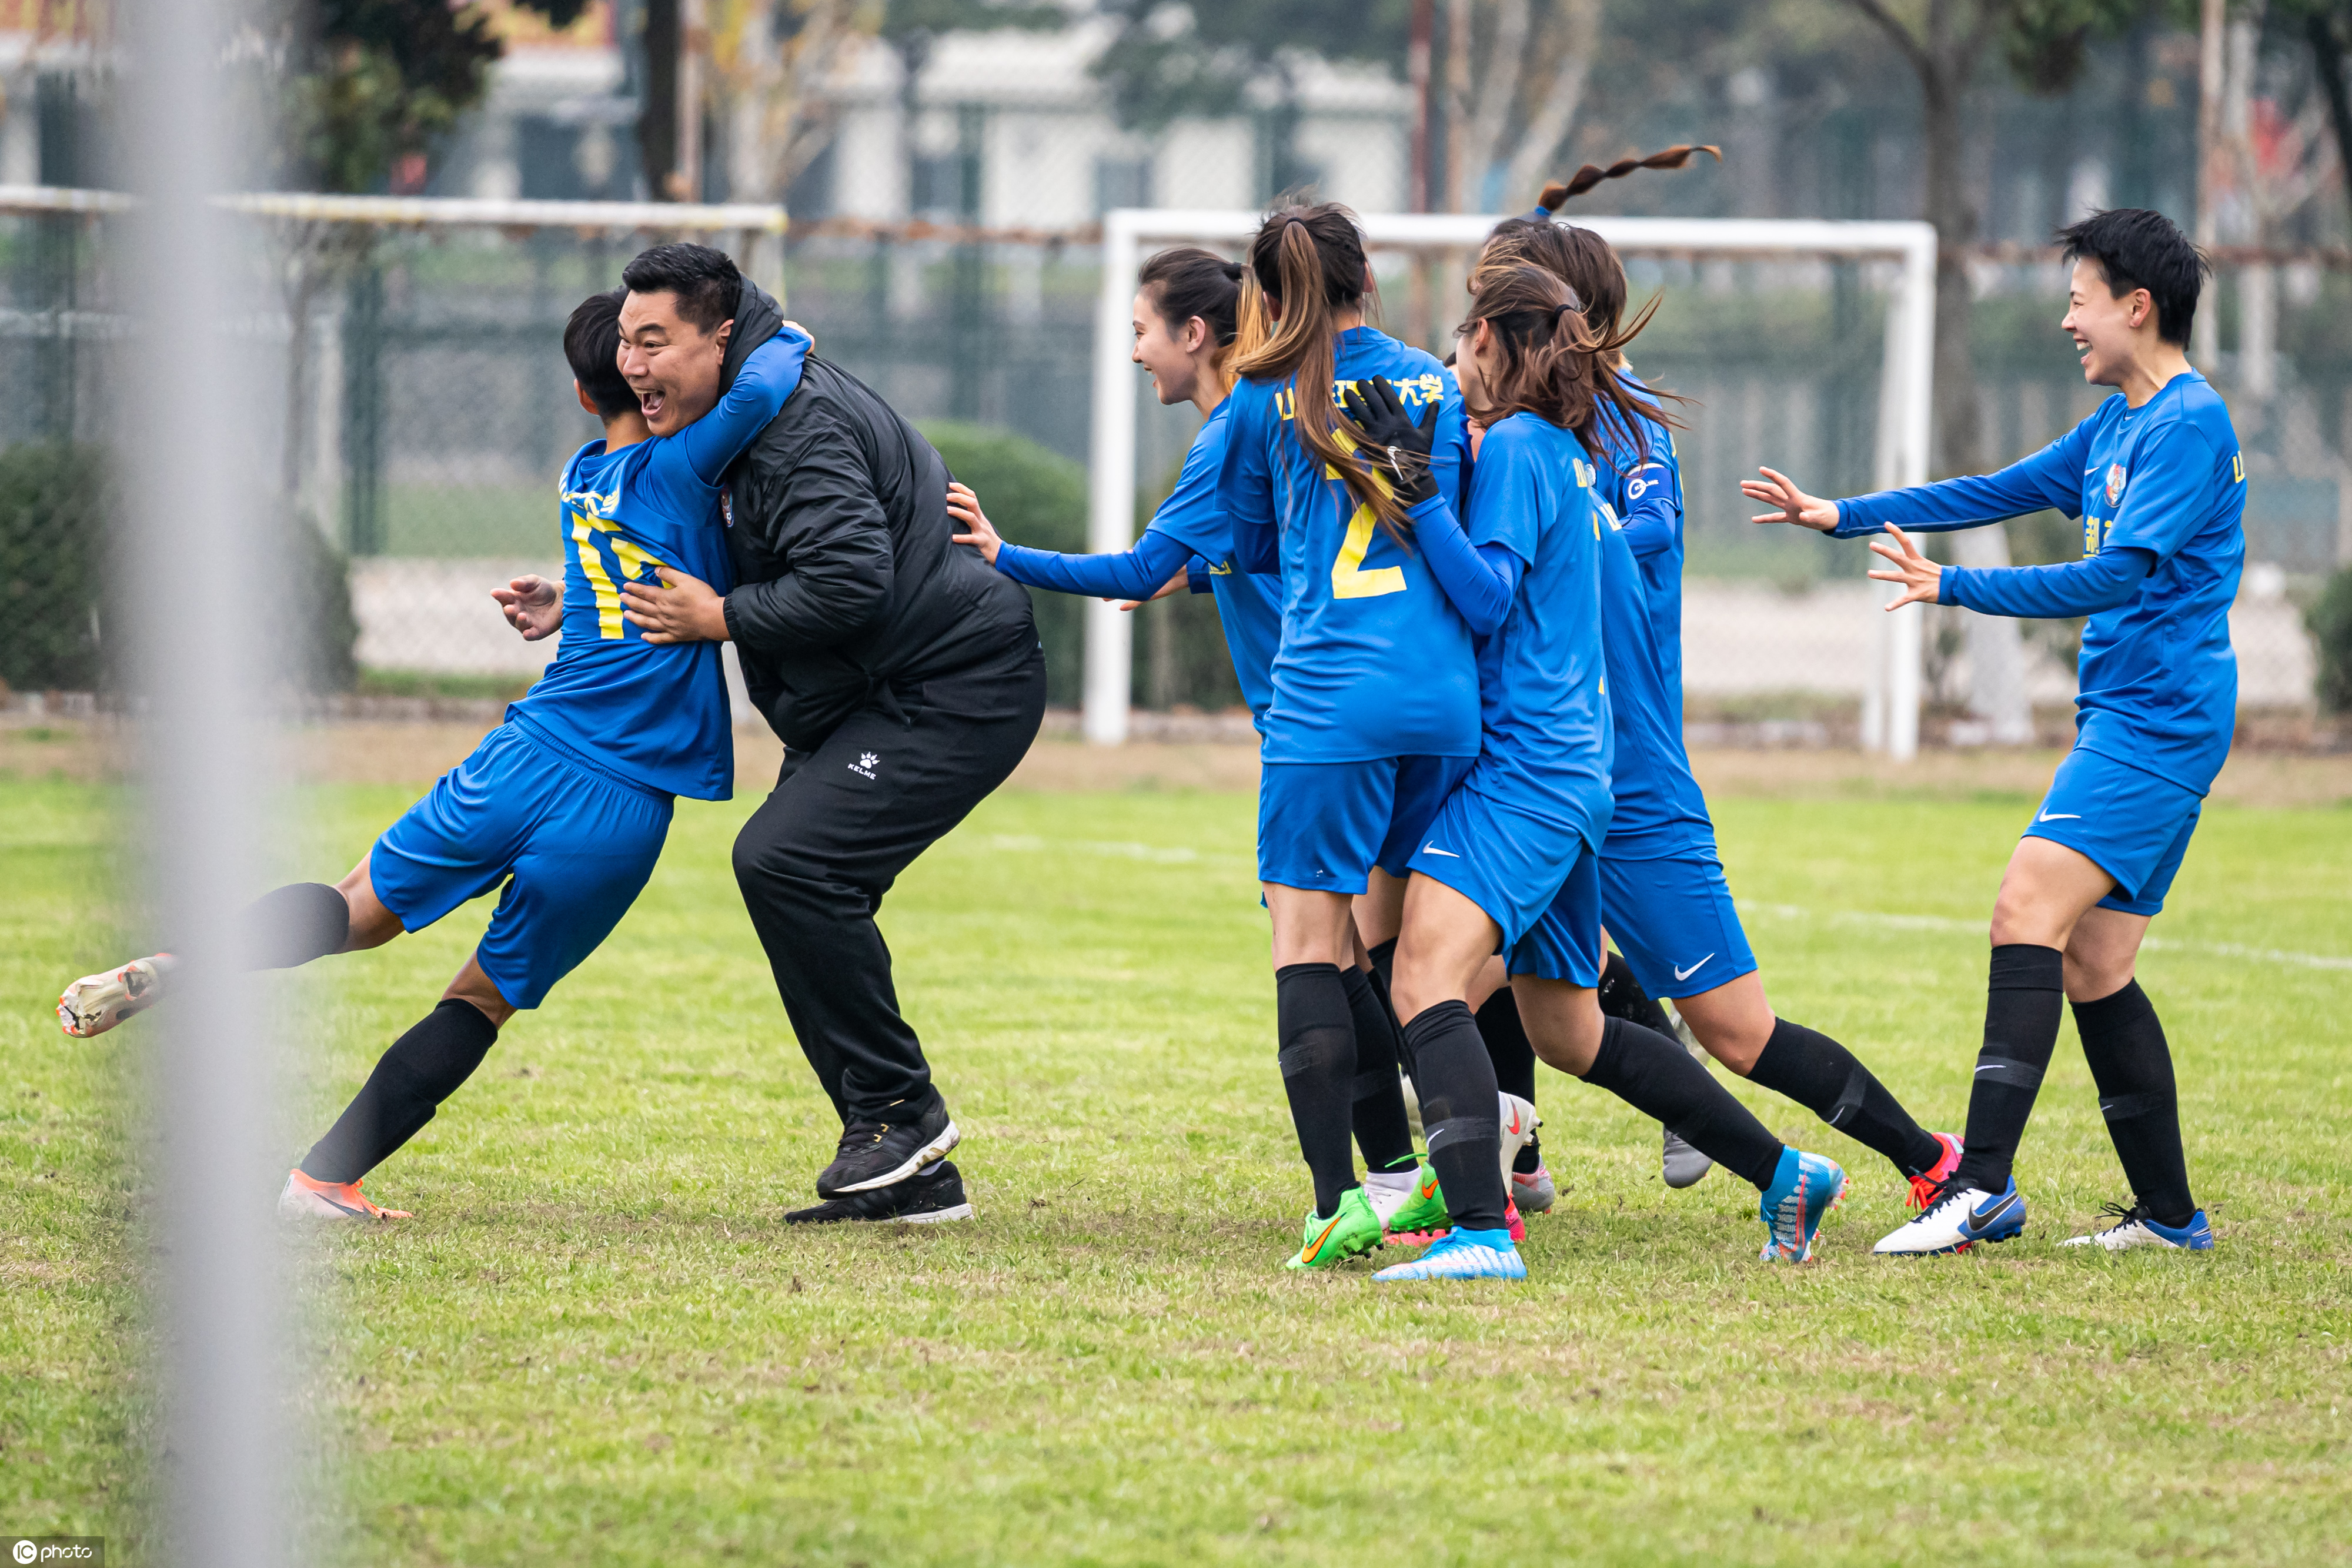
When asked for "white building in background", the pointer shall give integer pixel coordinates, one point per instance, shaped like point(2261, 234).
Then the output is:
point(558, 123)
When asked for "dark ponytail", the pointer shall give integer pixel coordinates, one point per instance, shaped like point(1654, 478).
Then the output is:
point(1188, 282)
point(1558, 195)
point(1589, 265)
point(1551, 362)
point(1310, 263)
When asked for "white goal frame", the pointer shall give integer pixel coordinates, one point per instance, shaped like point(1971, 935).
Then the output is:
point(1890, 711)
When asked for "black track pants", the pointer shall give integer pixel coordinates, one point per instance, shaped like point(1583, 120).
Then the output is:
point(844, 821)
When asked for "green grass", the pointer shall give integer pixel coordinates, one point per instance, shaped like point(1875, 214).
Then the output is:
point(598, 1343)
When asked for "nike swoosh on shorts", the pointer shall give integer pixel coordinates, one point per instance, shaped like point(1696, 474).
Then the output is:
point(2060, 816)
point(1434, 850)
point(1695, 968)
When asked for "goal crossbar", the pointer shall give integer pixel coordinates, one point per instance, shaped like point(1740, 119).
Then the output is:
point(1890, 717)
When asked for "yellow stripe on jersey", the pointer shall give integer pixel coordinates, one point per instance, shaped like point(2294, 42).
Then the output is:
point(600, 583)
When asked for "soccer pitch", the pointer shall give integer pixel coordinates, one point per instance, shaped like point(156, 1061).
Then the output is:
point(598, 1343)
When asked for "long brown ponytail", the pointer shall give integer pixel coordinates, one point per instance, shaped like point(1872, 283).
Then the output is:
point(1560, 193)
point(1551, 362)
point(1310, 263)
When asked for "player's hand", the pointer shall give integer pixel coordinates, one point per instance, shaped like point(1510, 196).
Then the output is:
point(682, 609)
point(963, 507)
point(1393, 442)
point(1789, 504)
point(1179, 583)
point(803, 332)
point(1921, 578)
point(532, 606)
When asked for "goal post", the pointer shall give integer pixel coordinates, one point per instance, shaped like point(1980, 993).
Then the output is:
point(1890, 711)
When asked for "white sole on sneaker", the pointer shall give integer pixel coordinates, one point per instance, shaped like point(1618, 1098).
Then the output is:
point(930, 1154)
point(961, 1211)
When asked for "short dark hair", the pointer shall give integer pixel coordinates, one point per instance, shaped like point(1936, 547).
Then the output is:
point(705, 281)
point(2138, 248)
point(592, 341)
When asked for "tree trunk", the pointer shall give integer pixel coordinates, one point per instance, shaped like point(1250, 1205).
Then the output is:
point(1996, 652)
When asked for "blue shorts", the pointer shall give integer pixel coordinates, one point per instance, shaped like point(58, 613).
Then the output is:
point(575, 849)
point(1674, 921)
point(1505, 861)
point(1325, 825)
point(1564, 943)
point(2130, 823)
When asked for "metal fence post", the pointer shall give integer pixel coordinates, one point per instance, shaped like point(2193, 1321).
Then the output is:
point(192, 551)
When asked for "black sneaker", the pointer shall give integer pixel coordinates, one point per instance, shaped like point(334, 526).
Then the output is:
point(925, 1198)
point(876, 1153)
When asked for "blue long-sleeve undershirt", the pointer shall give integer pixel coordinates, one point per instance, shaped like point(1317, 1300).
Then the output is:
point(2084, 587)
point(1136, 573)
point(1480, 579)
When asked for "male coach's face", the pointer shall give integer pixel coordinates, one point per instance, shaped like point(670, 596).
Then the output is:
point(668, 361)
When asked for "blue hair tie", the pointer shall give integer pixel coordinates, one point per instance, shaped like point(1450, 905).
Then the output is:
point(1539, 215)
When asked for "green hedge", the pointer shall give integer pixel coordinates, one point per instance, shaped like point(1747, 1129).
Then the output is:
point(61, 600)
point(1036, 497)
point(2331, 628)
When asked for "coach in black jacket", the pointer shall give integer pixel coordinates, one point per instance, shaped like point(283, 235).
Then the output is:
point(904, 677)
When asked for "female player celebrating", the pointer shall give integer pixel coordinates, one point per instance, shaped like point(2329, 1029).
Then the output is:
point(1373, 714)
point(2157, 477)
point(1663, 893)
point(1511, 859)
point(1193, 312)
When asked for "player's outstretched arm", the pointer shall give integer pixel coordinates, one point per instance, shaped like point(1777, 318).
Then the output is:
point(1139, 573)
point(533, 606)
point(1789, 504)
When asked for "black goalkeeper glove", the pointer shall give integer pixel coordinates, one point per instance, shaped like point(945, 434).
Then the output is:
point(1390, 439)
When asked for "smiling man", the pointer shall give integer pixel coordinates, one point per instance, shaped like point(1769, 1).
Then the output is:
point(2157, 477)
point(901, 672)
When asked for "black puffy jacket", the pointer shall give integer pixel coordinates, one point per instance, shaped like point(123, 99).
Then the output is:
point(848, 590)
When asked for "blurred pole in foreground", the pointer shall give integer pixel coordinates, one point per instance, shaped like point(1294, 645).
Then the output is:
point(199, 599)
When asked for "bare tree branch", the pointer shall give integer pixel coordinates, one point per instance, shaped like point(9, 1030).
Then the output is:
point(1498, 86)
point(1913, 50)
point(1581, 24)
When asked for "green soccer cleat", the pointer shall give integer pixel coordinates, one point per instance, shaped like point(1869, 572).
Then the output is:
point(1420, 1214)
point(1351, 1231)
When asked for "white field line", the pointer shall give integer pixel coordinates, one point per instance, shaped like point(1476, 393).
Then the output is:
point(1977, 928)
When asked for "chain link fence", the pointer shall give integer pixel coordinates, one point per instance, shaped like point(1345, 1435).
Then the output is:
point(427, 411)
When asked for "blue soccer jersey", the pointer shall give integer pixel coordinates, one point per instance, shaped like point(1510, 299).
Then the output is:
point(1542, 682)
point(2159, 684)
point(1660, 810)
point(1374, 661)
point(1189, 527)
point(652, 714)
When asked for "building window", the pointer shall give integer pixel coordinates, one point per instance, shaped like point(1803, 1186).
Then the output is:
point(1122, 183)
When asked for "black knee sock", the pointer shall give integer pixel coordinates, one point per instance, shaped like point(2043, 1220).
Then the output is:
point(1318, 1073)
point(295, 923)
point(2133, 1067)
point(1382, 1131)
point(1457, 1084)
point(1515, 1064)
point(1622, 997)
point(2022, 1000)
point(1383, 964)
point(1653, 1073)
point(1823, 1077)
point(423, 1068)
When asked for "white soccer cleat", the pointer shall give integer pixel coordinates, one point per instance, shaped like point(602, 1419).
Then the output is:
point(1518, 1121)
point(1959, 1218)
point(96, 1003)
point(2135, 1227)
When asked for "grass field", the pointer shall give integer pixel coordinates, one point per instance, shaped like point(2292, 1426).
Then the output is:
point(597, 1342)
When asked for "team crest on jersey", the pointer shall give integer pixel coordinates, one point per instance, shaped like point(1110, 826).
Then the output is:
point(2115, 483)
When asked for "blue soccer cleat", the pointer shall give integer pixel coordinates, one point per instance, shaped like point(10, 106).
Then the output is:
point(1462, 1255)
point(2135, 1227)
point(1956, 1218)
point(1802, 1191)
